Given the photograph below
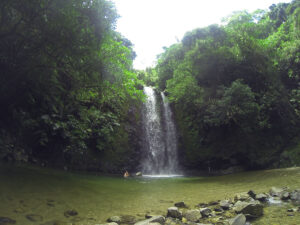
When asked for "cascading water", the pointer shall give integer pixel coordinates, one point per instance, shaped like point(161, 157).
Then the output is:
point(170, 136)
point(160, 147)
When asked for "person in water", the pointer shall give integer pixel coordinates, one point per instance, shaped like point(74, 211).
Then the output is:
point(126, 174)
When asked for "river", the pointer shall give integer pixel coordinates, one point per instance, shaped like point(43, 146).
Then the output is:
point(49, 193)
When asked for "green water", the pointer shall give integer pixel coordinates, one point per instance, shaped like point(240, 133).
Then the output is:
point(49, 193)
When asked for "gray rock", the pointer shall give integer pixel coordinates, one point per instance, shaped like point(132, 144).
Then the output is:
point(205, 212)
point(154, 219)
point(238, 220)
point(249, 209)
point(261, 197)
point(193, 215)
point(225, 204)
point(115, 219)
point(6, 221)
point(241, 196)
point(276, 191)
point(295, 196)
point(180, 205)
point(174, 212)
point(285, 195)
point(34, 218)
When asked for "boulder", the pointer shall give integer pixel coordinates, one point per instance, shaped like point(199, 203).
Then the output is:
point(238, 220)
point(295, 196)
point(252, 194)
point(285, 195)
point(139, 174)
point(193, 215)
point(205, 212)
point(276, 191)
point(249, 209)
point(180, 205)
point(225, 204)
point(241, 196)
point(152, 220)
point(174, 212)
point(261, 197)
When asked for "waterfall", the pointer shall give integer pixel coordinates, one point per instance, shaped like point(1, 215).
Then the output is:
point(160, 142)
point(170, 135)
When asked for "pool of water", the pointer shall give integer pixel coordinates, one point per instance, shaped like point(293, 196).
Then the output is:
point(49, 193)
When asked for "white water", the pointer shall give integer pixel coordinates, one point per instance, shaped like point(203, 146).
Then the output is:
point(160, 147)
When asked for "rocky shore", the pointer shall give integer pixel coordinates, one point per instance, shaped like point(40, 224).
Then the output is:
point(241, 210)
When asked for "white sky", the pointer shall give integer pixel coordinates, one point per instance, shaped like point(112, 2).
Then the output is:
point(152, 24)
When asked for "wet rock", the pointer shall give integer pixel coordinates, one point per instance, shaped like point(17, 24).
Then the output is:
point(180, 205)
point(34, 218)
point(218, 210)
point(276, 191)
point(174, 212)
point(252, 194)
point(139, 174)
point(205, 212)
point(291, 210)
point(261, 197)
point(238, 220)
point(193, 215)
point(154, 219)
point(241, 196)
point(225, 204)
point(285, 196)
point(6, 221)
point(114, 219)
point(249, 209)
point(295, 196)
point(70, 212)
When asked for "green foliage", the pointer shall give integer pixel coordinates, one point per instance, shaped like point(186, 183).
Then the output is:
point(235, 88)
point(66, 79)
